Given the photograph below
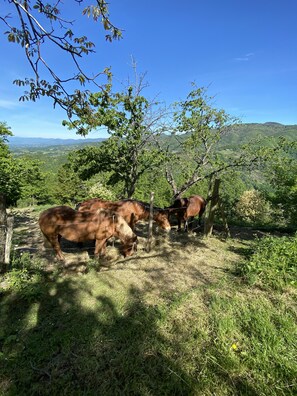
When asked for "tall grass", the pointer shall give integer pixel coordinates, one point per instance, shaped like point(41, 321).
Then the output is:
point(273, 263)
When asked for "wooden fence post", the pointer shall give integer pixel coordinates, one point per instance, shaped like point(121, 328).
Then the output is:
point(224, 219)
point(213, 206)
point(150, 226)
point(10, 221)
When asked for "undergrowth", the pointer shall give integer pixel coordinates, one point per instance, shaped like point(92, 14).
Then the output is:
point(273, 263)
point(25, 277)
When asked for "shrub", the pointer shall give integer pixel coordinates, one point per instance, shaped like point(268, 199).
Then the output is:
point(25, 277)
point(273, 263)
point(253, 208)
point(98, 190)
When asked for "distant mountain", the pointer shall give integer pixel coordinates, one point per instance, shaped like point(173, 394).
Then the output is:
point(21, 142)
point(244, 133)
point(238, 135)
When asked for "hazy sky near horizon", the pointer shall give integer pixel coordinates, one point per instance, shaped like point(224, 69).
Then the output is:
point(244, 51)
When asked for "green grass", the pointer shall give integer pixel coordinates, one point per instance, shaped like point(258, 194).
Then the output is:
point(272, 263)
point(102, 333)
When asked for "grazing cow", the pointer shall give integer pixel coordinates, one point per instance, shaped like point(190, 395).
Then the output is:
point(63, 221)
point(131, 210)
point(187, 208)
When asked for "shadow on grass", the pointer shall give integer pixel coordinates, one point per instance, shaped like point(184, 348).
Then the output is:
point(53, 345)
point(244, 251)
point(54, 342)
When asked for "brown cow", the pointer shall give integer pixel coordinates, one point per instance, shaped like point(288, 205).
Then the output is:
point(63, 221)
point(186, 208)
point(131, 210)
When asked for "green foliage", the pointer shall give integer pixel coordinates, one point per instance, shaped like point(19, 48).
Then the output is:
point(129, 152)
point(4, 133)
point(99, 190)
point(253, 208)
point(33, 182)
point(198, 129)
point(154, 182)
point(70, 189)
point(21, 178)
point(273, 263)
point(10, 182)
point(25, 277)
point(36, 25)
point(267, 132)
point(282, 175)
point(232, 187)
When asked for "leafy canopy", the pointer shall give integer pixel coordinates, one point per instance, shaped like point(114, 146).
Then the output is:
point(38, 25)
point(130, 151)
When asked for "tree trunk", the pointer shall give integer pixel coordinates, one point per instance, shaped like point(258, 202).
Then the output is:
point(211, 209)
point(3, 231)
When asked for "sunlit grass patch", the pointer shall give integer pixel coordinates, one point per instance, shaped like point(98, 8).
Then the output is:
point(273, 263)
point(235, 343)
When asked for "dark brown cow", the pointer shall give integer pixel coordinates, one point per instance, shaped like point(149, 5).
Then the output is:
point(63, 221)
point(186, 208)
point(131, 210)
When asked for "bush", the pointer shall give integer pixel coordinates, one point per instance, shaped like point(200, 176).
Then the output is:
point(98, 190)
point(273, 263)
point(253, 208)
point(25, 277)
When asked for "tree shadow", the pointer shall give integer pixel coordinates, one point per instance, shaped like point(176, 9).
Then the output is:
point(66, 338)
point(71, 349)
point(59, 342)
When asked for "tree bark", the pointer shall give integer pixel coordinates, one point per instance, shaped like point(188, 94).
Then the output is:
point(3, 232)
point(212, 208)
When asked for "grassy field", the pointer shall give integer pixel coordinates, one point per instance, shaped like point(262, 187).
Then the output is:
point(176, 321)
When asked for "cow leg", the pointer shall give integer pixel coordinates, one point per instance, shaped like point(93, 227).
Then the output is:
point(186, 222)
point(190, 221)
point(200, 216)
point(55, 242)
point(100, 247)
point(179, 221)
point(132, 222)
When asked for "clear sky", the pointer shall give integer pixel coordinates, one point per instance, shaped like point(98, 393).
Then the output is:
point(244, 50)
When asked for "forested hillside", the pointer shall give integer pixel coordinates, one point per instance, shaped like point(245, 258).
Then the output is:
point(51, 155)
point(27, 142)
point(53, 152)
point(243, 133)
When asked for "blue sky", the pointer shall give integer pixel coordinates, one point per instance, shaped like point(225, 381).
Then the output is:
point(244, 51)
